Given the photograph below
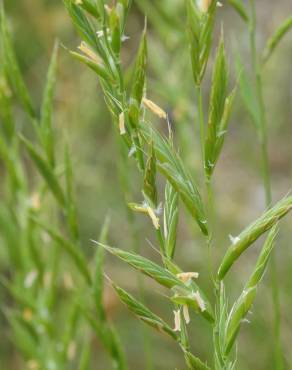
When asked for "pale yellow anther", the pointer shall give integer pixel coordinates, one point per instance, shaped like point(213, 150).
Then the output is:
point(33, 365)
point(154, 218)
point(71, 352)
point(122, 123)
point(30, 279)
point(27, 314)
point(177, 323)
point(47, 279)
point(204, 5)
point(145, 208)
point(68, 281)
point(200, 301)
point(154, 108)
point(89, 53)
point(35, 201)
point(186, 314)
point(186, 276)
point(4, 87)
point(78, 2)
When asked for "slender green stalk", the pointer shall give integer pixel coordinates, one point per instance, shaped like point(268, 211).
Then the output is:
point(257, 67)
point(124, 172)
point(201, 123)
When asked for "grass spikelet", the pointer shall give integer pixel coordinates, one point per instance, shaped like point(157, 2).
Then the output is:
point(170, 216)
point(149, 268)
point(276, 38)
point(143, 313)
point(247, 237)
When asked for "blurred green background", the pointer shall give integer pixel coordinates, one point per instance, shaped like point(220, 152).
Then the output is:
point(82, 120)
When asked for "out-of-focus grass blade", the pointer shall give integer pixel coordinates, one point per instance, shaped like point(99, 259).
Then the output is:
point(247, 91)
point(18, 295)
point(110, 340)
point(46, 171)
point(47, 108)
point(252, 233)
point(72, 319)
point(71, 211)
point(8, 125)
point(240, 8)
point(75, 254)
point(11, 164)
point(172, 167)
point(98, 274)
point(118, 356)
point(84, 361)
point(11, 66)
point(274, 41)
point(147, 267)
point(25, 338)
point(160, 16)
point(142, 312)
point(9, 232)
point(171, 214)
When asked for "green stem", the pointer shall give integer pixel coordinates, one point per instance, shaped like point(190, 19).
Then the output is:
point(211, 222)
point(146, 337)
point(202, 123)
point(266, 180)
point(123, 170)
